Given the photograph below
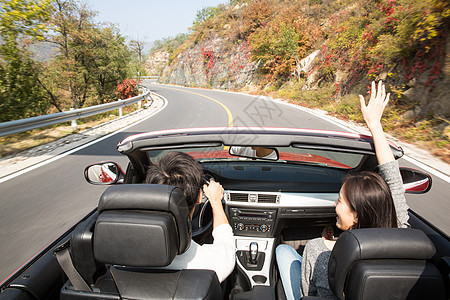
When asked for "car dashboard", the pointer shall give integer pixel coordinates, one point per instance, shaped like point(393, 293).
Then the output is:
point(256, 214)
point(258, 218)
point(263, 200)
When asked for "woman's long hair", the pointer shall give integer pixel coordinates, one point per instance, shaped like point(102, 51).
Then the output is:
point(369, 195)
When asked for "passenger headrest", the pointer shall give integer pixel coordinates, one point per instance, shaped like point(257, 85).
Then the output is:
point(375, 243)
point(142, 225)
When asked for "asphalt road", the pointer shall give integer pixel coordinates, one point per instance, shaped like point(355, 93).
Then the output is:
point(39, 205)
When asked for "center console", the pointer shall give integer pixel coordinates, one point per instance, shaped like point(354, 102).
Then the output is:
point(252, 222)
point(253, 234)
point(254, 258)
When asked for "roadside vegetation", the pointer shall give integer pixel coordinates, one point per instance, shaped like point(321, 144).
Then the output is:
point(54, 56)
point(402, 42)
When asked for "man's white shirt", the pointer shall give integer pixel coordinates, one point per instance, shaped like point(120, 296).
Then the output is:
point(218, 256)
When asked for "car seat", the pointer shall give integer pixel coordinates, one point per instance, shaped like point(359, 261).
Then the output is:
point(139, 227)
point(384, 263)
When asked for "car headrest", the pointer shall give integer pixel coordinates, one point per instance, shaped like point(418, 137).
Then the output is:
point(141, 225)
point(375, 243)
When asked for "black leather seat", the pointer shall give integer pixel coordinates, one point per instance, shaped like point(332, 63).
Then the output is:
point(379, 263)
point(140, 227)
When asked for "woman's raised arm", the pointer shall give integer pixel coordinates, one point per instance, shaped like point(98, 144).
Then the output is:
point(388, 167)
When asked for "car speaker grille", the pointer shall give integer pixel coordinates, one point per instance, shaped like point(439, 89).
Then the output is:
point(254, 198)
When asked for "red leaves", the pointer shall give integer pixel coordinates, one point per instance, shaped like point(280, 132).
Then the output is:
point(127, 89)
point(388, 7)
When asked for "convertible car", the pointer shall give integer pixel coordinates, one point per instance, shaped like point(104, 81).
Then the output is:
point(280, 185)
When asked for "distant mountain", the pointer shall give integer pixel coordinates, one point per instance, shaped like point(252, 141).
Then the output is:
point(43, 51)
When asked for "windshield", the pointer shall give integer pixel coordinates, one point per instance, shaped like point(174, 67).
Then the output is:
point(287, 155)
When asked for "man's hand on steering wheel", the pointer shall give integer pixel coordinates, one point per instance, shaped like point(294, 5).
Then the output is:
point(214, 192)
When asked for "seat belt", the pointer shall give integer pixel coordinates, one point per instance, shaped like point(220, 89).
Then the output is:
point(62, 254)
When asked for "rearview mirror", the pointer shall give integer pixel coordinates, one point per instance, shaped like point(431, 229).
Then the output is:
point(107, 172)
point(415, 181)
point(255, 152)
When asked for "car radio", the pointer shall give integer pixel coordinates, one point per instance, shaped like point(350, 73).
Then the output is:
point(252, 221)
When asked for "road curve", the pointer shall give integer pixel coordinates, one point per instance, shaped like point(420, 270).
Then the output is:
point(39, 205)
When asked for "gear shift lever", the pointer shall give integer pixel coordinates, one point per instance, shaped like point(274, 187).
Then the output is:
point(253, 252)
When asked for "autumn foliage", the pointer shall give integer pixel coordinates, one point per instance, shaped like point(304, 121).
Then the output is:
point(282, 40)
point(374, 37)
point(127, 89)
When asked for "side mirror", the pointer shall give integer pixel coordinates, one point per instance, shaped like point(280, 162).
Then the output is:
point(107, 172)
point(415, 181)
point(255, 152)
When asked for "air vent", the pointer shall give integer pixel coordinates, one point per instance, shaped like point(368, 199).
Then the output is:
point(240, 197)
point(264, 198)
point(254, 198)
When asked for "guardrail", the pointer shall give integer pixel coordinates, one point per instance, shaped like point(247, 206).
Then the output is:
point(11, 127)
point(149, 77)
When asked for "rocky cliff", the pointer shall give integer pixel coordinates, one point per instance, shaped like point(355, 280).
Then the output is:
point(213, 63)
point(217, 64)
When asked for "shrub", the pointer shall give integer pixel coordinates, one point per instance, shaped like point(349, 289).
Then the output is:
point(127, 89)
point(281, 42)
point(367, 38)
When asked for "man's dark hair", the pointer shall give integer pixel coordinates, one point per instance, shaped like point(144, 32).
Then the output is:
point(370, 196)
point(180, 170)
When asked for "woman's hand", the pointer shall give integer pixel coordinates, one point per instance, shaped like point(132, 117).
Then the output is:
point(373, 111)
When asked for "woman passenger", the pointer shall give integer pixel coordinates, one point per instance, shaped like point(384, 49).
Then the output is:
point(366, 200)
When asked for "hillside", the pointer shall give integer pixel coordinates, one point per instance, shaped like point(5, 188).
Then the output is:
point(323, 53)
point(43, 51)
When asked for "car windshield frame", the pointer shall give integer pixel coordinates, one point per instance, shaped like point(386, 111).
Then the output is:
point(287, 155)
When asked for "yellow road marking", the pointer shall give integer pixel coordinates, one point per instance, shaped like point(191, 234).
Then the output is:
point(230, 116)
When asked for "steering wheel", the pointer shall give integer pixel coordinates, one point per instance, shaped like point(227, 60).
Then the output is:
point(202, 219)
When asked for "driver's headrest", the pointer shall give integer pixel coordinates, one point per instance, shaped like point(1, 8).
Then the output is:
point(141, 225)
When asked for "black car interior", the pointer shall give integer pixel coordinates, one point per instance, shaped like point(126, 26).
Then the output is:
point(130, 219)
point(115, 255)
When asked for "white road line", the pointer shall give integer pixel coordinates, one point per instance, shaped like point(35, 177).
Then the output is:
point(38, 165)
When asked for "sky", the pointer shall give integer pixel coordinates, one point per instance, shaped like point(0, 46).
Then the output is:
point(150, 20)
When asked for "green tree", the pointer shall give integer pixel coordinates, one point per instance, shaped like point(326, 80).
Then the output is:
point(21, 21)
point(206, 13)
point(75, 37)
point(280, 44)
point(92, 59)
point(111, 65)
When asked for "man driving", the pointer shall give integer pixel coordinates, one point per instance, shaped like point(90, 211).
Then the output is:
point(183, 171)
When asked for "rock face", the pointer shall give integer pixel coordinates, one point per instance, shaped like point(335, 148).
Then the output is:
point(156, 62)
point(213, 63)
point(430, 90)
point(219, 63)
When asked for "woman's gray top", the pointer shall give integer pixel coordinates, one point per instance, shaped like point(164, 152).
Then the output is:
point(316, 254)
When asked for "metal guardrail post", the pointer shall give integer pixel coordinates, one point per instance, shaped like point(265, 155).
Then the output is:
point(74, 122)
point(120, 110)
